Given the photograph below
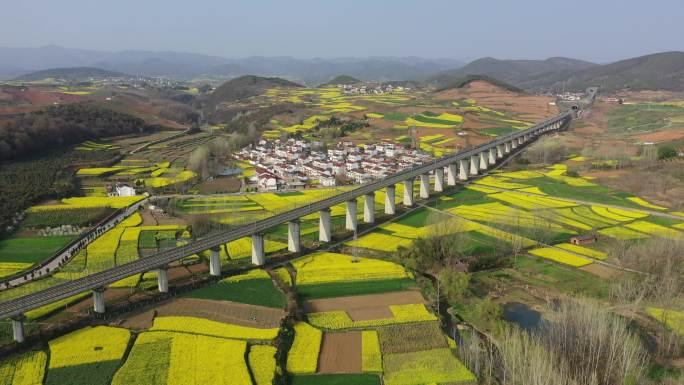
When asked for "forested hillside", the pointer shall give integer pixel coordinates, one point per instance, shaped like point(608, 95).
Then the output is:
point(62, 125)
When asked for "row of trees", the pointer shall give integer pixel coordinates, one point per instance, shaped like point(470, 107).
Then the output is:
point(23, 183)
point(63, 125)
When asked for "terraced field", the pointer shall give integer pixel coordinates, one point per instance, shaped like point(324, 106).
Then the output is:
point(529, 208)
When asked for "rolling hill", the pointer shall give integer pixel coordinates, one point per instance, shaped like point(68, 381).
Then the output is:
point(244, 87)
point(462, 82)
point(71, 73)
point(658, 71)
point(527, 74)
point(342, 79)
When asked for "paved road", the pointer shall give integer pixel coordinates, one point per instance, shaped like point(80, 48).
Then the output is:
point(18, 306)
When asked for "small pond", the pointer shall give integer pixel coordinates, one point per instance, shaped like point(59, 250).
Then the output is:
point(521, 315)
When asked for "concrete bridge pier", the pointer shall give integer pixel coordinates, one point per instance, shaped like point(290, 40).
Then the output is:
point(520, 140)
point(514, 144)
point(492, 156)
point(439, 179)
point(463, 169)
point(162, 280)
point(352, 220)
point(425, 186)
point(215, 262)
point(408, 193)
point(324, 230)
point(293, 239)
point(99, 300)
point(452, 170)
point(499, 152)
point(483, 161)
point(18, 329)
point(473, 164)
point(258, 254)
point(390, 204)
point(369, 208)
point(507, 148)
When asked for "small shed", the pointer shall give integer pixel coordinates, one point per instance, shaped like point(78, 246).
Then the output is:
point(583, 239)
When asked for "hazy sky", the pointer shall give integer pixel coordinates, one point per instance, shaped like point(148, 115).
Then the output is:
point(598, 30)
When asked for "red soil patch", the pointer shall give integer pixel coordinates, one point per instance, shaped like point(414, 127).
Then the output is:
point(383, 124)
point(602, 271)
point(223, 311)
point(340, 353)
point(662, 136)
point(589, 129)
point(364, 307)
point(528, 107)
point(178, 273)
point(198, 268)
point(138, 321)
point(370, 313)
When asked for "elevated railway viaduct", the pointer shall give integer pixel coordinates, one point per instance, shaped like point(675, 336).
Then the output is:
point(446, 171)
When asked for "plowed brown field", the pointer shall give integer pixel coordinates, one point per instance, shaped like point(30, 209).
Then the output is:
point(340, 353)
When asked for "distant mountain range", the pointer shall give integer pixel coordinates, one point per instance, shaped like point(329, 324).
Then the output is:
point(20, 61)
point(657, 71)
point(70, 73)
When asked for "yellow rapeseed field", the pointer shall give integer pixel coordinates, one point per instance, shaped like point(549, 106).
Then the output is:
point(531, 202)
point(24, 369)
point(303, 355)
point(622, 233)
point(336, 320)
point(583, 250)
point(252, 274)
point(642, 202)
point(212, 328)
point(500, 182)
point(429, 366)
point(163, 358)
point(199, 360)
point(371, 357)
point(610, 213)
point(263, 364)
point(322, 267)
point(672, 318)
point(560, 256)
point(379, 241)
point(88, 345)
point(655, 229)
